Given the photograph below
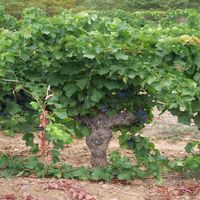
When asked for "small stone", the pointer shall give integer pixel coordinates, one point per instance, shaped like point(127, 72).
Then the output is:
point(101, 183)
point(105, 186)
point(24, 188)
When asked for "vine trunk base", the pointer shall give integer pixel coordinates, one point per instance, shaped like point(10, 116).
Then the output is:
point(98, 143)
point(101, 127)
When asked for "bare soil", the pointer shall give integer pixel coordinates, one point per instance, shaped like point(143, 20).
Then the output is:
point(170, 138)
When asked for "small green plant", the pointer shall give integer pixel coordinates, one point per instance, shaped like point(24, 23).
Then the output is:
point(120, 168)
point(189, 166)
point(7, 21)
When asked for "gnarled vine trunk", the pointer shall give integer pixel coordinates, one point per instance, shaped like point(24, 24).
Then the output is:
point(98, 143)
point(99, 140)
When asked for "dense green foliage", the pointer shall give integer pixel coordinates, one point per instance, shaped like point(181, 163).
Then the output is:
point(144, 19)
point(88, 48)
point(99, 62)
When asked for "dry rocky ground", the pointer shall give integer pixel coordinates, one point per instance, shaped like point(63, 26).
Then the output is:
point(168, 135)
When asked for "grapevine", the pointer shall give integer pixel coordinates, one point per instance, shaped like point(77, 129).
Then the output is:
point(107, 73)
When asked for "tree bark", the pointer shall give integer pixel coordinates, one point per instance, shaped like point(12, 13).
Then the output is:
point(101, 135)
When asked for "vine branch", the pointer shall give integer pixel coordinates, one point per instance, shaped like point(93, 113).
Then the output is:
point(123, 118)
